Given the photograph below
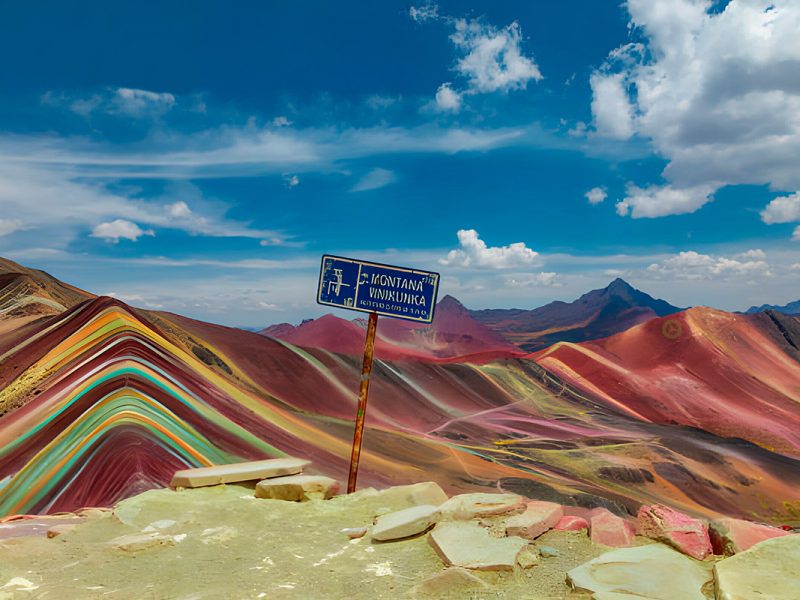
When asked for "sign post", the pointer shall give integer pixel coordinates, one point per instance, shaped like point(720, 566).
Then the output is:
point(377, 289)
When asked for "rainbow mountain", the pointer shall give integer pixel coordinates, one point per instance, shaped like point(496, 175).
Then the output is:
point(100, 401)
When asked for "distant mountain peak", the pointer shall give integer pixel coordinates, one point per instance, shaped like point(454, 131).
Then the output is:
point(450, 303)
point(620, 285)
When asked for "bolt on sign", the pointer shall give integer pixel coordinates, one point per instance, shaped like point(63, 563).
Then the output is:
point(376, 289)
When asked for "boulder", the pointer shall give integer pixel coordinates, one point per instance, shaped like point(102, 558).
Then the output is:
point(676, 529)
point(769, 570)
point(416, 494)
point(466, 544)
point(571, 523)
point(237, 472)
point(470, 506)
point(141, 541)
point(610, 530)
point(537, 518)
point(405, 523)
point(450, 583)
point(731, 536)
point(653, 571)
point(297, 488)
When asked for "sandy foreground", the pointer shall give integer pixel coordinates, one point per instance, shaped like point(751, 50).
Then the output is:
point(222, 542)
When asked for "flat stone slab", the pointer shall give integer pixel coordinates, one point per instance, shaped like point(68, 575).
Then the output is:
point(610, 530)
point(654, 571)
point(769, 570)
point(470, 506)
point(731, 536)
point(237, 472)
point(676, 529)
point(297, 488)
point(405, 523)
point(538, 518)
point(466, 544)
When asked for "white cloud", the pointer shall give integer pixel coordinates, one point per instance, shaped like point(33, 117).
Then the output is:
point(534, 280)
point(139, 103)
point(796, 234)
point(424, 13)
point(375, 179)
point(691, 265)
point(716, 93)
point(613, 114)
point(9, 226)
point(179, 210)
point(783, 209)
point(276, 241)
point(474, 252)
point(291, 181)
point(447, 99)
point(120, 229)
point(281, 121)
point(658, 201)
point(492, 58)
point(596, 195)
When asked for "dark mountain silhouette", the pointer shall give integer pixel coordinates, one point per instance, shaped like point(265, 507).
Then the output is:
point(594, 315)
point(792, 308)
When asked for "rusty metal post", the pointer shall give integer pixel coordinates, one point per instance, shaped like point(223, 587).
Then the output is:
point(366, 369)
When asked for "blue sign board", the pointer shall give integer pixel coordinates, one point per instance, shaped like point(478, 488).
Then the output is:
point(382, 289)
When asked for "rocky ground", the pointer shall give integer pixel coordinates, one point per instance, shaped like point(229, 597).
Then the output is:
point(223, 541)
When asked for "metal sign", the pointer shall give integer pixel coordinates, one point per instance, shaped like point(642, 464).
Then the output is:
point(379, 290)
point(376, 288)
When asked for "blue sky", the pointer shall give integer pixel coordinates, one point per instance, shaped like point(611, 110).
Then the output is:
point(200, 159)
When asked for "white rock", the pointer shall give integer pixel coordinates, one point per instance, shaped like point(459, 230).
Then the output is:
point(466, 544)
point(297, 488)
point(470, 506)
point(405, 523)
point(769, 570)
point(653, 571)
point(237, 472)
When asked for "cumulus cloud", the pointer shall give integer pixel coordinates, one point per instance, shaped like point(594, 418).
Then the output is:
point(596, 195)
point(447, 99)
point(179, 210)
point(659, 201)
point(784, 209)
point(796, 234)
point(474, 252)
point(120, 229)
point(612, 111)
point(281, 121)
point(490, 59)
point(376, 178)
point(691, 265)
point(9, 226)
point(715, 91)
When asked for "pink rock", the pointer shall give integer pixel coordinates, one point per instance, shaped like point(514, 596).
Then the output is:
point(610, 530)
point(538, 517)
point(682, 532)
point(571, 523)
point(730, 536)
